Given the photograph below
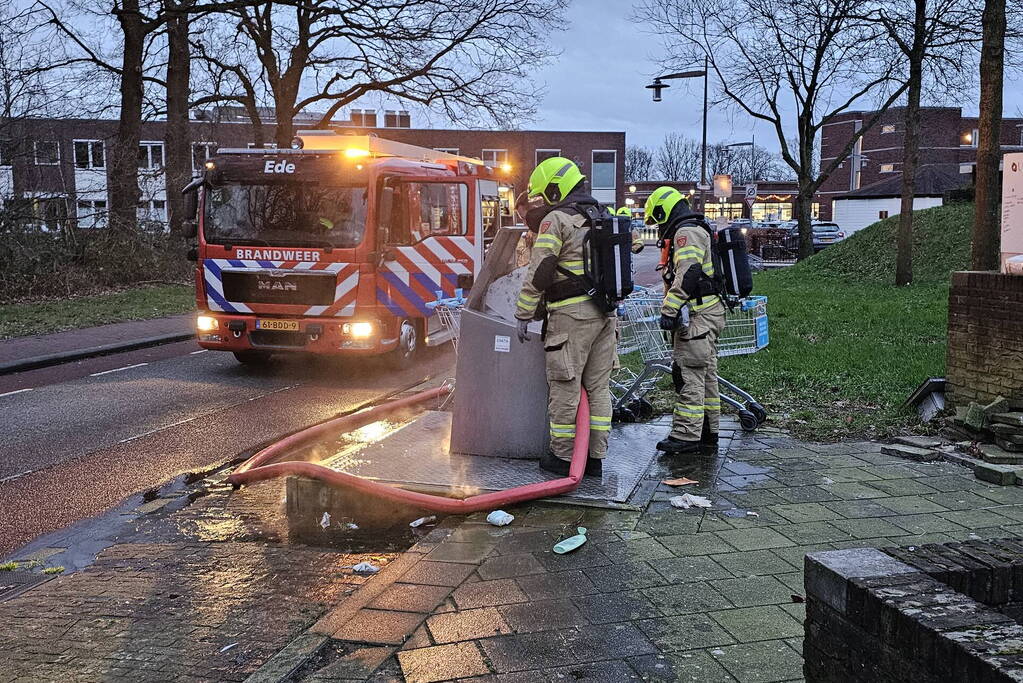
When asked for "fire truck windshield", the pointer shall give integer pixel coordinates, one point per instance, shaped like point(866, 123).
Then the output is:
point(286, 215)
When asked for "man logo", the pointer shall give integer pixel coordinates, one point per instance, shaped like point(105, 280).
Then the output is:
point(281, 166)
point(277, 286)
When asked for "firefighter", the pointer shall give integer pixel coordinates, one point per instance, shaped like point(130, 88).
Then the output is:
point(579, 346)
point(637, 239)
point(694, 368)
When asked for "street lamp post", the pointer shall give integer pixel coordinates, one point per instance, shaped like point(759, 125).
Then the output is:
point(658, 86)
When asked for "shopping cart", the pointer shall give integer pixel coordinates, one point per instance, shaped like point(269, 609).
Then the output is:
point(449, 313)
point(639, 330)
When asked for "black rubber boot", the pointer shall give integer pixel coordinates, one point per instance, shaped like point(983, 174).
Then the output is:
point(553, 464)
point(594, 467)
point(673, 446)
point(707, 437)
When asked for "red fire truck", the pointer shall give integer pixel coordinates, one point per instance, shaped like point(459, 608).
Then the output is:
point(335, 246)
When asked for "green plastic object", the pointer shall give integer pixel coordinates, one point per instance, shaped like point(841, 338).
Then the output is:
point(571, 543)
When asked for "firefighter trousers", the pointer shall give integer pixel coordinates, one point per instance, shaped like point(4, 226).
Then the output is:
point(579, 351)
point(694, 372)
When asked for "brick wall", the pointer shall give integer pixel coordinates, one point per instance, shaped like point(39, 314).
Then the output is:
point(985, 337)
point(888, 617)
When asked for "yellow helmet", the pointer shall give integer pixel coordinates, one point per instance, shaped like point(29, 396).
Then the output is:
point(660, 203)
point(554, 178)
point(624, 211)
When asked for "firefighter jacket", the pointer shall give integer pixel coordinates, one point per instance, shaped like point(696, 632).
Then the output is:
point(691, 246)
point(558, 243)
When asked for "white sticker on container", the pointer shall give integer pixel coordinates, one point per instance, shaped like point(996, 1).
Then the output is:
point(502, 343)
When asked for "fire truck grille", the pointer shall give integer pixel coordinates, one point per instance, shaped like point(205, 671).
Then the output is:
point(279, 287)
point(277, 338)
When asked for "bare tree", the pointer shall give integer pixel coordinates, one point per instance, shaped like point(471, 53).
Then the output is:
point(986, 223)
point(639, 163)
point(677, 158)
point(768, 55)
point(469, 60)
point(933, 40)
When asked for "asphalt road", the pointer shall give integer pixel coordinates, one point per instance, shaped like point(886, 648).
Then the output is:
point(79, 438)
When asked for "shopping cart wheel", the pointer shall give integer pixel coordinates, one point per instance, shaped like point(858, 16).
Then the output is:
point(748, 421)
point(642, 409)
point(623, 415)
point(758, 411)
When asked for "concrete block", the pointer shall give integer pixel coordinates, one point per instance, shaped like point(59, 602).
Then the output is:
point(1015, 419)
point(1003, 475)
point(1011, 446)
point(999, 405)
point(919, 441)
point(827, 573)
point(975, 417)
point(911, 452)
point(999, 456)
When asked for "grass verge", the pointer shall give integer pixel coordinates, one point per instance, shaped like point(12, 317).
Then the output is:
point(55, 315)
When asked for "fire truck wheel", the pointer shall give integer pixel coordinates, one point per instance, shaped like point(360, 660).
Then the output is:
point(408, 346)
point(252, 358)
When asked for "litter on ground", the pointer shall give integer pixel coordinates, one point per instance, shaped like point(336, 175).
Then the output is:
point(688, 500)
point(681, 481)
point(500, 518)
point(365, 568)
point(572, 542)
point(421, 521)
point(325, 520)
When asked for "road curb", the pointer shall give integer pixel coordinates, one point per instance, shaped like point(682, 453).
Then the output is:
point(20, 365)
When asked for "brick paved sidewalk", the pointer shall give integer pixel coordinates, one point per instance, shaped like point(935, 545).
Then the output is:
point(213, 591)
point(666, 594)
point(69, 341)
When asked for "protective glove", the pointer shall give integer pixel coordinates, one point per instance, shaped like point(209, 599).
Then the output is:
point(668, 322)
point(523, 331)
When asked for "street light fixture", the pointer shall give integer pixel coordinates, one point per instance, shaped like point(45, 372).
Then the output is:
point(658, 87)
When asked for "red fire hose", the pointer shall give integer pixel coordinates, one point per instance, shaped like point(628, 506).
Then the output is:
point(254, 470)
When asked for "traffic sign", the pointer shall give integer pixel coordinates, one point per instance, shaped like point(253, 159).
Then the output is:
point(751, 194)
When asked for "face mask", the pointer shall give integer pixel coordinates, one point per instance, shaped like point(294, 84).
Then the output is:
point(534, 217)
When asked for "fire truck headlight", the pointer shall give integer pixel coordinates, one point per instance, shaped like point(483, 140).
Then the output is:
point(360, 330)
point(206, 323)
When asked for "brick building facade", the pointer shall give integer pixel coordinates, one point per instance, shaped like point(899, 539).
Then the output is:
point(775, 200)
point(56, 170)
point(947, 138)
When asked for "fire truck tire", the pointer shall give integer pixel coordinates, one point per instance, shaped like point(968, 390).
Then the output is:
point(252, 358)
point(408, 346)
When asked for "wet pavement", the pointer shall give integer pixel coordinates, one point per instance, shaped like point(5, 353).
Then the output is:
point(209, 586)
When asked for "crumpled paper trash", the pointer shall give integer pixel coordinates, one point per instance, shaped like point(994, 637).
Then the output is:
point(500, 518)
point(688, 500)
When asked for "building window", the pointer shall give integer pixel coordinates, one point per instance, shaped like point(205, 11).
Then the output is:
point(447, 150)
point(771, 211)
point(887, 168)
point(89, 154)
point(46, 152)
point(6, 153)
point(92, 213)
point(151, 155)
point(602, 170)
point(201, 153)
point(888, 128)
point(728, 210)
point(495, 158)
point(394, 118)
point(364, 118)
point(882, 214)
point(544, 154)
point(970, 138)
point(152, 214)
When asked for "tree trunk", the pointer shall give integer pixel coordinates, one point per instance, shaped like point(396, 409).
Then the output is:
point(911, 149)
point(178, 142)
point(124, 172)
point(986, 222)
point(804, 214)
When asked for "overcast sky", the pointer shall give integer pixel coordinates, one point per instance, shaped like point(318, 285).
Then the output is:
point(597, 84)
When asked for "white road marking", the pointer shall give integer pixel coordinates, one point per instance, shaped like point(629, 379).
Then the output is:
point(12, 393)
point(126, 367)
point(195, 353)
point(16, 476)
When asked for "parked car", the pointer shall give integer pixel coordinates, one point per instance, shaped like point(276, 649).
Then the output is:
point(824, 234)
